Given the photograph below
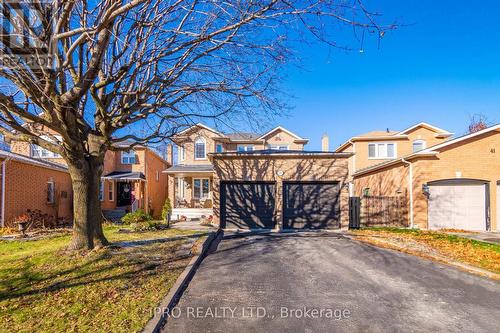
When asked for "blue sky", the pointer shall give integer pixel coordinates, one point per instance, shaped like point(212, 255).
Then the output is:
point(442, 68)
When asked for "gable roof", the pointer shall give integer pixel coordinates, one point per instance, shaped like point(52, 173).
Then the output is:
point(388, 135)
point(280, 128)
point(7, 155)
point(431, 151)
point(202, 126)
point(428, 126)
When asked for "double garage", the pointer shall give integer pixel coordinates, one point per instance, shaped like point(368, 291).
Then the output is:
point(294, 190)
point(305, 205)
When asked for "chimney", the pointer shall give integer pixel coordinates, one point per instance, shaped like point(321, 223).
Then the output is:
point(325, 146)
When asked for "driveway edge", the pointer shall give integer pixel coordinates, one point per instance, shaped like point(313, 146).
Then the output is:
point(441, 259)
point(159, 319)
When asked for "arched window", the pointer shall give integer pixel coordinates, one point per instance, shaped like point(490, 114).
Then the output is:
point(200, 152)
point(418, 145)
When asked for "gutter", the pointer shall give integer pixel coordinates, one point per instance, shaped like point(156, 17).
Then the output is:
point(410, 184)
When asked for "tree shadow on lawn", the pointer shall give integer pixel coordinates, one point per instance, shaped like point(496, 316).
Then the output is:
point(129, 263)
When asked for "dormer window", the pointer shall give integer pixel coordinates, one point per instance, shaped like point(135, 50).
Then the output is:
point(200, 152)
point(419, 145)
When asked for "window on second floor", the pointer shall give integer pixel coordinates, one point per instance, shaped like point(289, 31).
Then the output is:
point(37, 152)
point(381, 150)
point(200, 152)
point(241, 148)
point(219, 148)
point(128, 157)
point(418, 145)
point(278, 147)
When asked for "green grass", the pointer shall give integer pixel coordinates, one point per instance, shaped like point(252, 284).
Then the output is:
point(45, 289)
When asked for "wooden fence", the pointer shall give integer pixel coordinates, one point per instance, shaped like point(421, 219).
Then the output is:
point(377, 211)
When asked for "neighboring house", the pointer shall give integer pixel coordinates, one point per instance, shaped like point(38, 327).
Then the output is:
point(34, 184)
point(258, 181)
point(130, 180)
point(378, 146)
point(452, 184)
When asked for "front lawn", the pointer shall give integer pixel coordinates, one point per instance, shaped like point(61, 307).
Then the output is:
point(469, 251)
point(44, 289)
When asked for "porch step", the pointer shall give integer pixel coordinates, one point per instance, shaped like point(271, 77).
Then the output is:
point(191, 213)
point(114, 215)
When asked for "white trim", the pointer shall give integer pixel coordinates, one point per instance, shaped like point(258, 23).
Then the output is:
point(197, 141)
point(201, 187)
point(424, 124)
point(284, 130)
point(386, 143)
point(462, 138)
point(202, 126)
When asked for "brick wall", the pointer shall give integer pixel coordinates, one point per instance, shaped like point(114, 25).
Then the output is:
point(26, 188)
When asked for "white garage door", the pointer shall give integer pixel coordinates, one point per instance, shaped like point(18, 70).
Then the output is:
point(457, 207)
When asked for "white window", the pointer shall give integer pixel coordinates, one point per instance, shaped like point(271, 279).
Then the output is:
point(182, 153)
point(418, 145)
point(244, 148)
point(381, 150)
point(201, 188)
point(219, 148)
point(199, 149)
point(128, 157)
point(39, 152)
point(101, 190)
point(278, 147)
point(111, 191)
point(51, 192)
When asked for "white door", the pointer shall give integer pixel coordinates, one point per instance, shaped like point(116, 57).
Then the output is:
point(457, 207)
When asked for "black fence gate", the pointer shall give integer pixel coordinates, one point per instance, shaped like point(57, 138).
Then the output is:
point(354, 212)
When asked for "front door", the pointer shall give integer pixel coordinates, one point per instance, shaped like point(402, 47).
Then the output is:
point(124, 194)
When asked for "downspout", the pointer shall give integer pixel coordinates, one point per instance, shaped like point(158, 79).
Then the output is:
point(4, 167)
point(410, 184)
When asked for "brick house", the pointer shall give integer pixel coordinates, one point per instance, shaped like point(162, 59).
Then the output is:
point(452, 183)
point(28, 183)
point(131, 179)
point(258, 180)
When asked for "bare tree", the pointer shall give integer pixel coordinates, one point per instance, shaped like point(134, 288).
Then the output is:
point(477, 123)
point(138, 71)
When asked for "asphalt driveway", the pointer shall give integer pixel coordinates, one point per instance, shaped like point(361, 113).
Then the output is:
point(325, 283)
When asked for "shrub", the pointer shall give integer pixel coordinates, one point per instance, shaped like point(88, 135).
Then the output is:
point(136, 217)
point(147, 225)
point(167, 209)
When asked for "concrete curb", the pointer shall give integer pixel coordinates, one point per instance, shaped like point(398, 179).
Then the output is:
point(159, 319)
point(450, 262)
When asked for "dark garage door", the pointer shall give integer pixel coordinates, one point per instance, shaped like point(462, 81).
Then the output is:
point(312, 205)
point(247, 205)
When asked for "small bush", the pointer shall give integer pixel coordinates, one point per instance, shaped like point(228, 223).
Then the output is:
point(147, 226)
point(167, 209)
point(136, 217)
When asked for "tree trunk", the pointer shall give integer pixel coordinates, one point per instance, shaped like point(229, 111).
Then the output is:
point(87, 215)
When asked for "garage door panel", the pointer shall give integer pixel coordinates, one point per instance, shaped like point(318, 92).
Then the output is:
point(311, 205)
point(457, 207)
point(248, 205)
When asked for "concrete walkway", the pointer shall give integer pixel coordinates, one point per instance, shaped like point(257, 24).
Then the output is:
point(192, 225)
point(492, 237)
